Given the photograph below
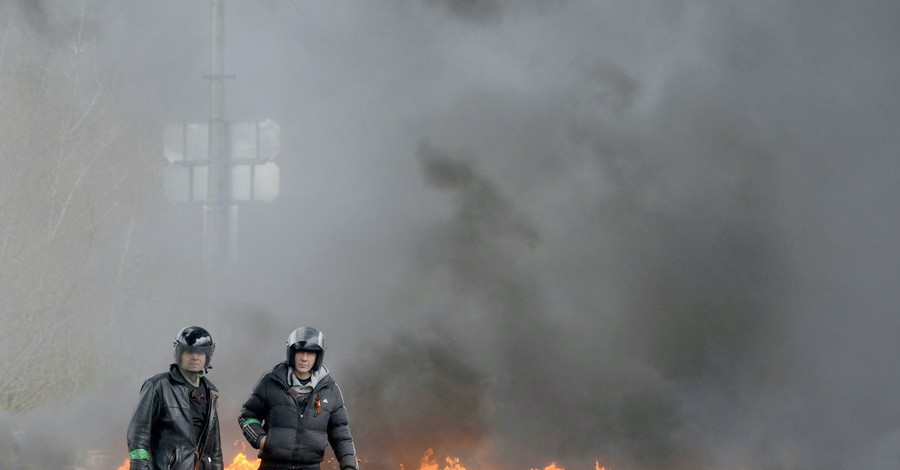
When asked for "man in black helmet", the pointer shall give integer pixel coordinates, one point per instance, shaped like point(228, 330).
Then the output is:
point(296, 408)
point(175, 424)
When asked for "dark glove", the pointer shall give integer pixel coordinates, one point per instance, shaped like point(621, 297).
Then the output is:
point(252, 430)
point(139, 464)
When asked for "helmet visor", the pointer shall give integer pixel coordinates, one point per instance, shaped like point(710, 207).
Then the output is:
point(208, 349)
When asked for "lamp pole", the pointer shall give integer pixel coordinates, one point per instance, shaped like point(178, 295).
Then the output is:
point(216, 210)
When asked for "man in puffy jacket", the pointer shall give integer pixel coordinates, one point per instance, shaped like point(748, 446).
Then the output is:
point(296, 409)
point(175, 424)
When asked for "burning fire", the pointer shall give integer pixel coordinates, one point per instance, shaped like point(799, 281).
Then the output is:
point(452, 463)
point(428, 462)
point(553, 466)
point(239, 462)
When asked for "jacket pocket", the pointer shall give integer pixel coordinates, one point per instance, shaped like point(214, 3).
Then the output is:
point(173, 459)
point(205, 463)
point(280, 443)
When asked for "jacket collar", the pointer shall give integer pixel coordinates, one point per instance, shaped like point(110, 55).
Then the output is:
point(280, 373)
point(175, 375)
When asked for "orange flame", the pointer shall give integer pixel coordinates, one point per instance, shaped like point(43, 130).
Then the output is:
point(552, 466)
point(239, 462)
point(428, 462)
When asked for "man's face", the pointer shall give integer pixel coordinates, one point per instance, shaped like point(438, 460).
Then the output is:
point(193, 361)
point(303, 363)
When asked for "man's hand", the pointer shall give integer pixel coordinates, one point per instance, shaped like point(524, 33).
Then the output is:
point(262, 442)
point(139, 464)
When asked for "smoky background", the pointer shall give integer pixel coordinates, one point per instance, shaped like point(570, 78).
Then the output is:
point(658, 234)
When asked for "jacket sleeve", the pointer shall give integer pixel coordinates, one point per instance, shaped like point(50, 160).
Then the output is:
point(339, 435)
point(141, 426)
point(215, 441)
point(253, 413)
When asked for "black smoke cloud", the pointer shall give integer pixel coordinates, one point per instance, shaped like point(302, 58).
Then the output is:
point(546, 386)
point(658, 234)
point(415, 392)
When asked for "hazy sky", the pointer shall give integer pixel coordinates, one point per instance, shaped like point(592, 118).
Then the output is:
point(657, 233)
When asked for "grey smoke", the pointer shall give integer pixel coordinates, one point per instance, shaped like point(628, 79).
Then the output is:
point(554, 397)
point(414, 392)
point(658, 234)
point(471, 9)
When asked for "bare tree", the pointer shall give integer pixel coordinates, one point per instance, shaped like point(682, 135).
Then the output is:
point(73, 183)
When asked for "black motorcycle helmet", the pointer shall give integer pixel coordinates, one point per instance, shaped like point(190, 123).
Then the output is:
point(194, 339)
point(306, 339)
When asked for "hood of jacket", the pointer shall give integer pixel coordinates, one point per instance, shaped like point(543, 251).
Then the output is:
point(281, 370)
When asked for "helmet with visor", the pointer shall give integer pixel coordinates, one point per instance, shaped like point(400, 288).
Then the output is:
point(194, 339)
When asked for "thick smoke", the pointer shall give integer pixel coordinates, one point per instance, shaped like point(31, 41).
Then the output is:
point(661, 234)
point(415, 392)
point(484, 250)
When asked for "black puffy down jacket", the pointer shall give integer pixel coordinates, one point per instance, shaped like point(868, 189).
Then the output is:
point(296, 435)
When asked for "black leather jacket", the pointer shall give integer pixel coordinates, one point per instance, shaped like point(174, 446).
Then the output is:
point(160, 435)
point(296, 436)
